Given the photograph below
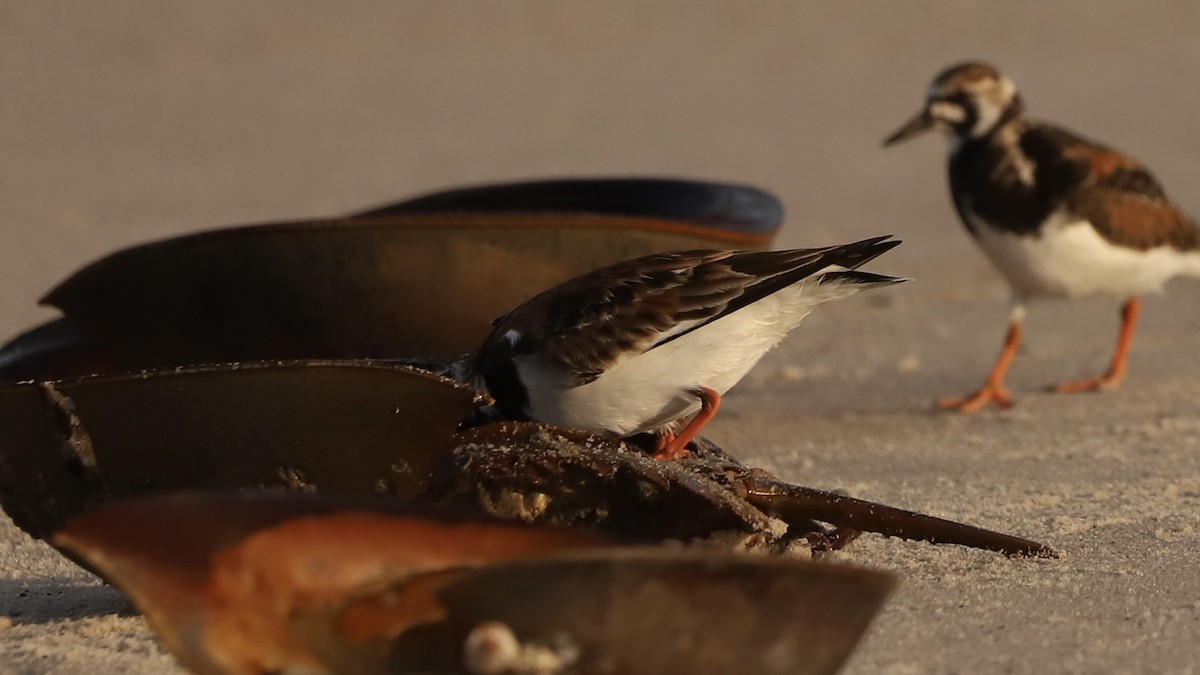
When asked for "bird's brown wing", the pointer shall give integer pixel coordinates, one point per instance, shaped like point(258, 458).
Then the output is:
point(587, 325)
point(1111, 190)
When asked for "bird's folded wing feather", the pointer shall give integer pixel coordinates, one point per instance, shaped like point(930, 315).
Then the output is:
point(1111, 190)
point(594, 322)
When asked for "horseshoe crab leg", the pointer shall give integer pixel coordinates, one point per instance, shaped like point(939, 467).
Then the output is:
point(794, 502)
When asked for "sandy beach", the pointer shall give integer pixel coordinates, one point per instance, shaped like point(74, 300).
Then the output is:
point(132, 120)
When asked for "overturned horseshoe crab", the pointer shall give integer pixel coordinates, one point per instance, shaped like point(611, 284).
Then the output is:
point(370, 428)
point(248, 584)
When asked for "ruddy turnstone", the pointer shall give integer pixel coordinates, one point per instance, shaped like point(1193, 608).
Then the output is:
point(640, 345)
point(1059, 215)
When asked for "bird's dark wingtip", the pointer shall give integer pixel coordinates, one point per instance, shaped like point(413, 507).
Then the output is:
point(883, 240)
point(862, 252)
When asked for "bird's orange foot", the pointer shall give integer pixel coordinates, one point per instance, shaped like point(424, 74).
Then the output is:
point(672, 453)
point(672, 445)
point(1102, 383)
point(995, 394)
point(668, 447)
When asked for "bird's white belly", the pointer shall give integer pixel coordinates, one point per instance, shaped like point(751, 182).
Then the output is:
point(1070, 259)
point(652, 389)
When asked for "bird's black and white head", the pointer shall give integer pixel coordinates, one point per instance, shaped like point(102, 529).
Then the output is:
point(966, 101)
point(494, 369)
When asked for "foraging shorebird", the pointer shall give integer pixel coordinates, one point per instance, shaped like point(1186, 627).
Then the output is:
point(1059, 215)
point(640, 345)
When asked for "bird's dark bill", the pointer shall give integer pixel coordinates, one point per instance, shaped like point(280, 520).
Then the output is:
point(919, 124)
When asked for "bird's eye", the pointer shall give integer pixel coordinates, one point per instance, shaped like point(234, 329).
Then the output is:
point(512, 338)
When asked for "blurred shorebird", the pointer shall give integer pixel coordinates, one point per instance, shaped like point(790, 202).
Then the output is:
point(1058, 214)
point(640, 345)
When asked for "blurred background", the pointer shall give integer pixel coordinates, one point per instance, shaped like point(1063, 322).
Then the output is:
point(135, 119)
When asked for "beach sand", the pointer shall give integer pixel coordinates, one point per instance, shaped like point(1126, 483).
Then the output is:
point(126, 121)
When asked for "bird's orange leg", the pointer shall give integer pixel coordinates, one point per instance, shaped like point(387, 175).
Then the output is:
point(676, 446)
point(993, 390)
point(662, 441)
point(1120, 361)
